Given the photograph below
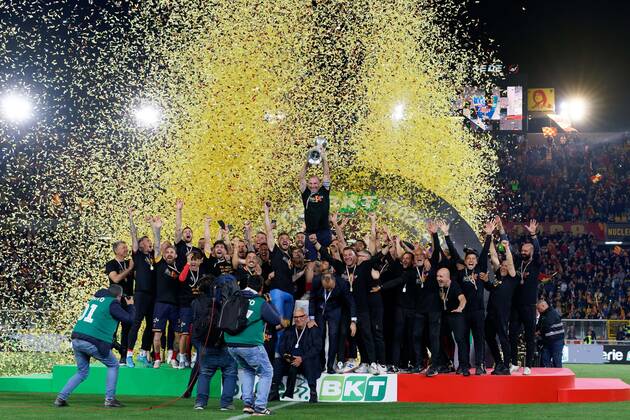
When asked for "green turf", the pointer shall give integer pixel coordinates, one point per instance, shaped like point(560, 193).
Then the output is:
point(23, 406)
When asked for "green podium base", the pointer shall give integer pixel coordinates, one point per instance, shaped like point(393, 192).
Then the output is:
point(138, 381)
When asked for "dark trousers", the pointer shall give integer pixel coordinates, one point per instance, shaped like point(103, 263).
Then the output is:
point(329, 323)
point(124, 338)
point(375, 303)
point(552, 354)
point(344, 338)
point(524, 315)
point(475, 324)
point(144, 311)
point(496, 325)
point(309, 368)
point(365, 339)
point(457, 325)
point(447, 345)
point(430, 321)
point(404, 320)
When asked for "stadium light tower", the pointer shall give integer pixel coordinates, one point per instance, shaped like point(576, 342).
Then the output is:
point(575, 109)
point(148, 116)
point(16, 108)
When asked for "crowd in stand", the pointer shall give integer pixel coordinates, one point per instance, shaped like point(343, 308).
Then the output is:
point(566, 180)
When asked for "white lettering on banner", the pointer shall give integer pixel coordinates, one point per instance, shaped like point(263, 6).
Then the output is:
point(352, 388)
point(330, 388)
point(376, 386)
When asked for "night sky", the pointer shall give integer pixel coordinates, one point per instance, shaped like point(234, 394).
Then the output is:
point(577, 47)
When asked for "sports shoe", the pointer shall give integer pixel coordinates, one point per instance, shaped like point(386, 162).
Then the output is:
point(382, 369)
point(432, 372)
point(113, 403)
point(174, 364)
point(60, 403)
point(339, 367)
point(156, 364)
point(373, 369)
point(187, 364)
point(145, 361)
point(248, 410)
point(181, 361)
point(393, 369)
point(527, 371)
point(363, 368)
point(499, 368)
point(130, 362)
point(263, 412)
point(514, 368)
point(350, 366)
point(479, 371)
point(414, 369)
point(465, 372)
point(313, 398)
point(199, 407)
point(169, 355)
point(227, 408)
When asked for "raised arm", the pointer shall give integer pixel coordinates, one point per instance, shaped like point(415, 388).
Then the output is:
point(271, 243)
point(156, 225)
point(494, 257)
point(235, 259)
point(302, 177)
point(179, 205)
point(456, 258)
point(372, 239)
point(483, 258)
point(338, 230)
point(532, 229)
point(247, 235)
point(326, 177)
point(133, 231)
point(509, 259)
point(207, 247)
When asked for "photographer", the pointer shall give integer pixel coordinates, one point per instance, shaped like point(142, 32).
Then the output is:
point(301, 349)
point(92, 336)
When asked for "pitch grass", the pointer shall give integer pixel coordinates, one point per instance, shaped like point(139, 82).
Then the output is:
point(28, 406)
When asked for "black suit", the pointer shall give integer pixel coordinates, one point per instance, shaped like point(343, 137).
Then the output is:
point(308, 348)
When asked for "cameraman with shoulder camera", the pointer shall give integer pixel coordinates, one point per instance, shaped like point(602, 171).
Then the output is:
point(92, 336)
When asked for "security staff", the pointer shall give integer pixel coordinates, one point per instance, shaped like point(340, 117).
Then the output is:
point(551, 330)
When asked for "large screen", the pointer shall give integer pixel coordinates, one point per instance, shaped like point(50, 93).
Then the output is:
point(495, 110)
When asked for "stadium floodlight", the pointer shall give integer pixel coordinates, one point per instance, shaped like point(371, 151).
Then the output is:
point(398, 112)
point(575, 109)
point(148, 116)
point(16, 108)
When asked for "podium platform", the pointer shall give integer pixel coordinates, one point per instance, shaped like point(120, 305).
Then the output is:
point(542, 386)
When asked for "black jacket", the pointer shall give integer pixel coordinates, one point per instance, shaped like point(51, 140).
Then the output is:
point(310, 343)
point(550, 326)
point(473, 289)
point(340, 296)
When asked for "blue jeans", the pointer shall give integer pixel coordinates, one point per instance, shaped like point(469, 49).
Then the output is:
point(83, 350)
point(283, 302)
point(212, 359)
point(254, 362)
point(552, 354)
point(324, 237)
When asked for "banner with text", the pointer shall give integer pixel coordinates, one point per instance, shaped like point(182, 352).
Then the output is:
point(618, 232)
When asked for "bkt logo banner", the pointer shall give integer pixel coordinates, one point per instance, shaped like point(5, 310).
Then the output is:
point(357, 388)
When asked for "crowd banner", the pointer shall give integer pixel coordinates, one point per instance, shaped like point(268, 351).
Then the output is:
point(574, 228)
point(618, 232)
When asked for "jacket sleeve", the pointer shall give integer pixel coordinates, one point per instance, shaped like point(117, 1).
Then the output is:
point(119, 314)
point(395, 282)
point(312, 304)
point(451, 248)
point(336, 264)
point(315, 347)
point(269, 314)
point(483, 258)
point(437, 249)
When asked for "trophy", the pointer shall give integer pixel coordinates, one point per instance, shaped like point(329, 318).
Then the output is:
point(314, 155)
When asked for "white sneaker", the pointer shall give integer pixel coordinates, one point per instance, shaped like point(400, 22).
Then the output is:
point(156, 364)
point(350, 366)
point(181, 361)
point(363, 368)
point(173, 363)
point(382, 369)
point(373, 369)
point(169, 355)
point(527, 371)
point(339, 367)
point(514, 368)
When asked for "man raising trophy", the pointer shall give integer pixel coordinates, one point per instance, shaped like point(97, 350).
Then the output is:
point(316, 198)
